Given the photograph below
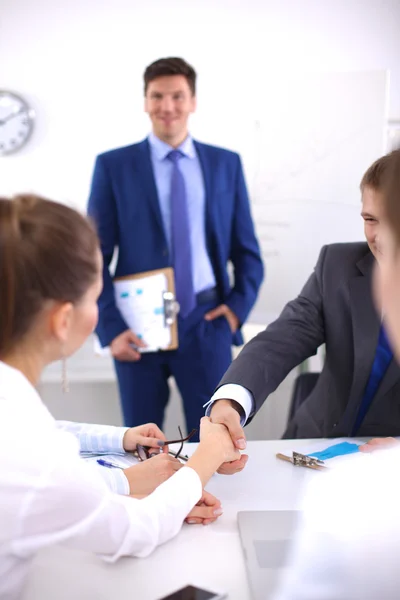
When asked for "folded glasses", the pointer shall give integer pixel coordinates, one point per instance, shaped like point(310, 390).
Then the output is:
point(145, 452)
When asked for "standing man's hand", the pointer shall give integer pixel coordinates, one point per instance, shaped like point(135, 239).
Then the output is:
point(223, 412)
point(122, 346)
point(224, 311)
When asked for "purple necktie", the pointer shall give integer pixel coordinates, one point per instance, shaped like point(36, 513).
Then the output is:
point(180, 236)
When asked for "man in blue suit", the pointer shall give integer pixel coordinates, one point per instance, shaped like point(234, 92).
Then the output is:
point(172, 201)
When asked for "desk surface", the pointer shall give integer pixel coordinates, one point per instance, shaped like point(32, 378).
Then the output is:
point(210, 557)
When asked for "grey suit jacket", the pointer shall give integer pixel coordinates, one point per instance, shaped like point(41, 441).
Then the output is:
point(335, 307)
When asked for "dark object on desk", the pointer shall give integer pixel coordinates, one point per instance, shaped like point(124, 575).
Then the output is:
point(303, 386)
point(145, 452)
point(181, 457)
point(193, 593)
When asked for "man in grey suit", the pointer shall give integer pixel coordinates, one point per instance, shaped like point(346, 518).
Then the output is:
point(358, 390)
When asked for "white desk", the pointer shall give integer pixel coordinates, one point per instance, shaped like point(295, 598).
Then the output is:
point(210, 557)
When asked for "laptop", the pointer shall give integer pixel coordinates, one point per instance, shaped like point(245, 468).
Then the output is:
point(266, 538)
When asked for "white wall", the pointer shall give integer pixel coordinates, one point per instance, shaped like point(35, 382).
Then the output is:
point(80, 65)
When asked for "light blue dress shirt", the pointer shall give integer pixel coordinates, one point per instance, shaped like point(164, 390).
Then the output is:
point(203, 274)
point(99, 440)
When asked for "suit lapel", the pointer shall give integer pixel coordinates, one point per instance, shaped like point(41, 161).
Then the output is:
point(143, 167)
point(209, 185)
point(366, 324)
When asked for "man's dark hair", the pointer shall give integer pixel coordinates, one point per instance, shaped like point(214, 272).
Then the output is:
point(376, 173)
point(170, 66)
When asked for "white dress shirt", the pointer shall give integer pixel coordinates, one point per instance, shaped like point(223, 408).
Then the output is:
point(49, 495)
point(233, 391)
point(348, 547)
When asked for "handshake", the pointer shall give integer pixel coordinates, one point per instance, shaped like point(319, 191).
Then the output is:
point(221, 439)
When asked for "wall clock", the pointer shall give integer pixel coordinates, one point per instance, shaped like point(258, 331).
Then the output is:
point(16, 122)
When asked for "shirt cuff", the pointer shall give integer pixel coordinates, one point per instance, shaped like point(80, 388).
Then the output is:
point(115, 479)
point(233, 391)
point(117, 443)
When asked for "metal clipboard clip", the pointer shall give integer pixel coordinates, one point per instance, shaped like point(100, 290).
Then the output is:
point(171, 308)
point(302, 460)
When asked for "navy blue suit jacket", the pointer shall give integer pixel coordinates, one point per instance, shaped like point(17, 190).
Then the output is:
point(124, 205)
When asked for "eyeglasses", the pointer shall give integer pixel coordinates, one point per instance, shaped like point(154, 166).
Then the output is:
point(145, 452)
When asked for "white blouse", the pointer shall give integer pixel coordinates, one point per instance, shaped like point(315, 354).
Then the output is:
point(48, 495)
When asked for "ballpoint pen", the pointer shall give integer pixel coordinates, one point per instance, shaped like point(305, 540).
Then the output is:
point(104, 463)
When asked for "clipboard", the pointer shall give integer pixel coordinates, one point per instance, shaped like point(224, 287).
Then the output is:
point(148, 304)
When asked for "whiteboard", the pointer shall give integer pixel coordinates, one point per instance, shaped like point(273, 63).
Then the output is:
point(306, 139)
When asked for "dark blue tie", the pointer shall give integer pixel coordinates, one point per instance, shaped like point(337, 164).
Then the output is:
point(383, 357)
point(180, 237)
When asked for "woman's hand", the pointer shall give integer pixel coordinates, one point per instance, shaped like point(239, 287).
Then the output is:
point(206, 511)
point(217, 436)
point(145, 435)
point(146, 476)
point(215, 447)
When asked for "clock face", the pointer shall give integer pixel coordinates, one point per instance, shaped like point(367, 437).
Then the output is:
point(16, 122)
